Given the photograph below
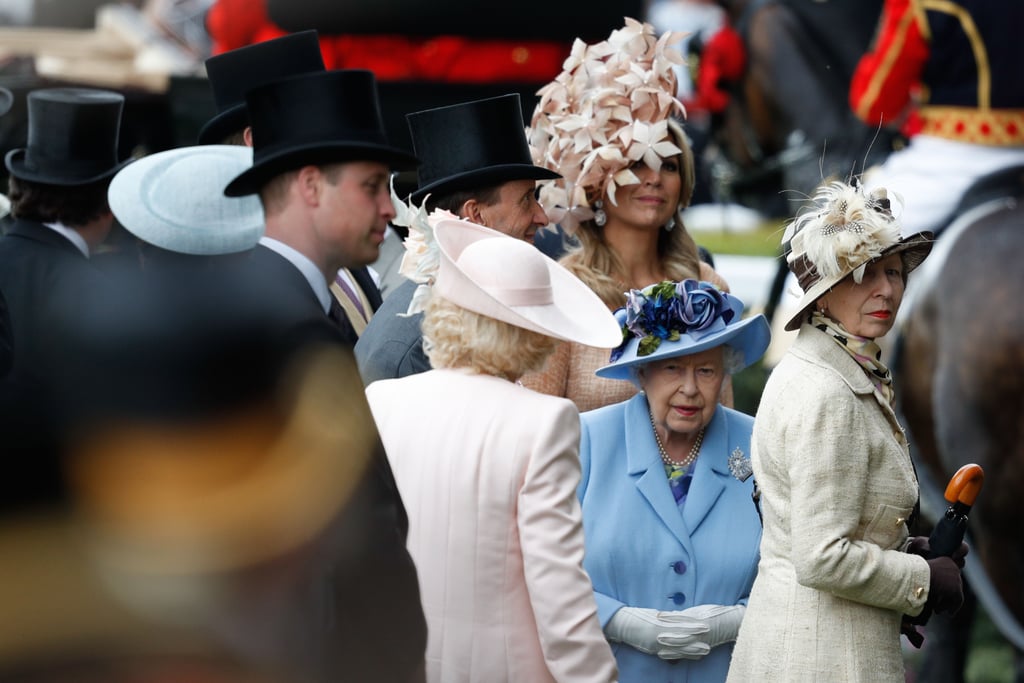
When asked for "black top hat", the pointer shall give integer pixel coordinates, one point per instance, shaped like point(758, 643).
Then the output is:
point(234, 73)
point(6, 100)
point(472, 145)
point(72, 137)
point(321, 118)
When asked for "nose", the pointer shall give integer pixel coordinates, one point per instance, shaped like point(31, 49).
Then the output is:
point(538, 215)
point(687, 383)
point(647, 175)
point(387, 208)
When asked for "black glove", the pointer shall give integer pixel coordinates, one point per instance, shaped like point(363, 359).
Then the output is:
point(919, 545)
point(946, 589)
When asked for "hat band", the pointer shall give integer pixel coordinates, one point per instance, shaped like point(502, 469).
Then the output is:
point(521, 296)
point(806, 273)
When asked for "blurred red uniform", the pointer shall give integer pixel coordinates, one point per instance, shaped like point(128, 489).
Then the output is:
point(236, 23)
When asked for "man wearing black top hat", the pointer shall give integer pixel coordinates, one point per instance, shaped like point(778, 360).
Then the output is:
point(477, 165)
point(321, 165)
point(231, 75)
point(58, 194)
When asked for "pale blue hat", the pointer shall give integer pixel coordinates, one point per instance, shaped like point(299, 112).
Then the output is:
point(671, 319)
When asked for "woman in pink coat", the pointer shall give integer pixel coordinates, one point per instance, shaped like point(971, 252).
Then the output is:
point(488, 469)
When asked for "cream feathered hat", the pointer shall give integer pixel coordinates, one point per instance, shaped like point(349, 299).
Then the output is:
point(613, 105)
point(844, 229)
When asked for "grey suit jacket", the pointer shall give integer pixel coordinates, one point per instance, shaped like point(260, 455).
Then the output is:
point(391, 346)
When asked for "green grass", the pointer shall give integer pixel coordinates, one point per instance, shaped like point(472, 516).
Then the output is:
point(764, 241)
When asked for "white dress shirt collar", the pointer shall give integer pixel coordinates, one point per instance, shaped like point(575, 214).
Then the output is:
point(72, 235)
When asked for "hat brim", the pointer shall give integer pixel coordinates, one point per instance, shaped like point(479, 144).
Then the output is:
point(236, 227)
point(225, 123)
point(575, 314)
point(483, 177)
point(272, 165)
point(914, 248)
point(6, 101)
point(15, 162)
point(750, 336)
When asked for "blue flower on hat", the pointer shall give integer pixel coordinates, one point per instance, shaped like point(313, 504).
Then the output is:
point(666, 310)
point(699, 304)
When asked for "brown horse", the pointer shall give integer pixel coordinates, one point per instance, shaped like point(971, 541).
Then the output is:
point(961, 379)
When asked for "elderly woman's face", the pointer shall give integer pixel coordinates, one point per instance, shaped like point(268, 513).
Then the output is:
point(683, 392)
point(868, 309)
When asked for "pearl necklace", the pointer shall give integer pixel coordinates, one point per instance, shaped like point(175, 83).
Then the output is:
point(686, 462)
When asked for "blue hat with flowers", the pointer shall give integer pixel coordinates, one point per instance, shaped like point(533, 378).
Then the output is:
point(670, 319)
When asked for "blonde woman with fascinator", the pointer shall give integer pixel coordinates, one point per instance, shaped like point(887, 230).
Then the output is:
point(487, 468)
point(839, 578)
point(671, 530)
point(607, 125)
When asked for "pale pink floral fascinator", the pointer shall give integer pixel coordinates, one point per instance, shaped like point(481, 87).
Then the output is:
point(611, 107)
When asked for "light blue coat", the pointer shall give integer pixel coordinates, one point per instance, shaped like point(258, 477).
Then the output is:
point(642, 552)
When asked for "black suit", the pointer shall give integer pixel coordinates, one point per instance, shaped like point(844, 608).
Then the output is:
point(376, 629)
point(44, 278)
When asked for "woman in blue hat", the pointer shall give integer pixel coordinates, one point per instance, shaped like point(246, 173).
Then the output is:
point(671, 533)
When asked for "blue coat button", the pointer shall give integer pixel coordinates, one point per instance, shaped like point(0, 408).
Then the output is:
point(679, 567)
point(678, 598)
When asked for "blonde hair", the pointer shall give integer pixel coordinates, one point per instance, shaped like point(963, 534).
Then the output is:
point(454, 337)
point(594, 262)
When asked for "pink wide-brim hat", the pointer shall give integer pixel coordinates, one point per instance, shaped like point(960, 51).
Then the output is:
point(507, 279)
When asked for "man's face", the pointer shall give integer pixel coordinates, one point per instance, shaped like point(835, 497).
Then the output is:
point(354, 212)
point(517, 212)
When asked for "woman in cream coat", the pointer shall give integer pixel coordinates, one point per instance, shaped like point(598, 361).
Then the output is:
point(488, 469)
point(838, 490)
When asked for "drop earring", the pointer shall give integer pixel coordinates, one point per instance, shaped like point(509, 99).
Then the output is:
point(670, 226)
point(600, 217)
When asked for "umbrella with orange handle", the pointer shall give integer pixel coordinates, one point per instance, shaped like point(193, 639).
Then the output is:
point(961, 492)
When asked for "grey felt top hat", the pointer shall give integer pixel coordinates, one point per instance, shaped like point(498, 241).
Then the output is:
point(472, 145)
point(233, 73)
point(72, 137)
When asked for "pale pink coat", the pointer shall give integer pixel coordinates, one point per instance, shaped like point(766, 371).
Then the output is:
point(488, 472)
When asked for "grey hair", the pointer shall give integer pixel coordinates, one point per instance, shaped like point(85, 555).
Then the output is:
point(732, 359)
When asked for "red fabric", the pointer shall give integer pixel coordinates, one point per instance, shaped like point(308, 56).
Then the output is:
point(236, 23)
point(721, 62)
point(888, 75)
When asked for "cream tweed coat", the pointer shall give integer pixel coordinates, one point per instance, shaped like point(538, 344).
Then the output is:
point(837, 487)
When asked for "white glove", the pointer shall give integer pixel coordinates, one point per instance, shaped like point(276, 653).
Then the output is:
point(723, 621)
point(669, 635)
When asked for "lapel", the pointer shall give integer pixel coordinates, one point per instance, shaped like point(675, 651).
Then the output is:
point(818, 347)
point(369, 290)
point(709, 473)
point(37, 232)
point(648, 472)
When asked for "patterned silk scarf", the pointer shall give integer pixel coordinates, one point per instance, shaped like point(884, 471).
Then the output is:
point(863, 350)
point(679, 480)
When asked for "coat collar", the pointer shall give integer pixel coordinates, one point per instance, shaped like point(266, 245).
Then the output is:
point(815, 347)
point(710, 474)
point(37, 232)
